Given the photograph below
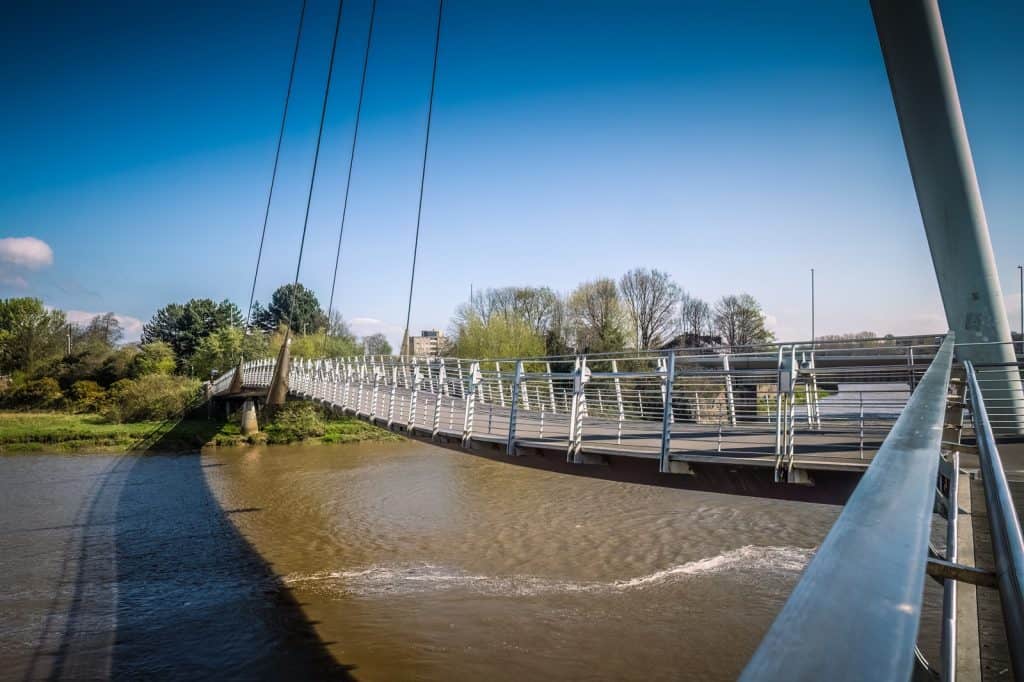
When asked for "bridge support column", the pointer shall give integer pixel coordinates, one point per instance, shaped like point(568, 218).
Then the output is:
point(923, 88)
point(278, 393)
point(249, 423)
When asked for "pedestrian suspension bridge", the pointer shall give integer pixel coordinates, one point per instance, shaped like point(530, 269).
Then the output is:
point(919, 437)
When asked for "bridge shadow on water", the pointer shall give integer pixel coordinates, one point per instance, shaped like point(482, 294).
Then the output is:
point(165, 586)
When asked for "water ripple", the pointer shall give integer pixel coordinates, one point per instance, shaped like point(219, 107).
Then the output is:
point(418, 578)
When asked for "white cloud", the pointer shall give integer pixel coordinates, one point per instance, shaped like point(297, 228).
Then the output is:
point(25, 252)
point(132, 326)
point(365, 326)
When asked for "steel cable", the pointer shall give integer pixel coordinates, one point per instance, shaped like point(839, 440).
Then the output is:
point(277, 158)
point(423, 174)
point(351, 163)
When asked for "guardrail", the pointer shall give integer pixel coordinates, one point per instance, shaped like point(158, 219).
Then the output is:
point(1007, 544)
point(854, 614)
point(780, 403)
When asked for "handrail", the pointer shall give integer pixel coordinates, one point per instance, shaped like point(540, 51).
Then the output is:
point(854, 614)
point(1007, 544)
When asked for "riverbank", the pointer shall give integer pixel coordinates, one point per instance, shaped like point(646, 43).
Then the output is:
point(42, 431)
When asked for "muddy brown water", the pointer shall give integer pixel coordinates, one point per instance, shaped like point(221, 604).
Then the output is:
point(381, 561)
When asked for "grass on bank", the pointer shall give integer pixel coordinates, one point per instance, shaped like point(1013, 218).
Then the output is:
point(66, 432)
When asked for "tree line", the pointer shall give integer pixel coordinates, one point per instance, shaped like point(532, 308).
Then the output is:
point(47, 362)
point(643, 309)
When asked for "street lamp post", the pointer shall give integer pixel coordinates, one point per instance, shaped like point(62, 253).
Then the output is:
point(1020, 269)
point(813, 338)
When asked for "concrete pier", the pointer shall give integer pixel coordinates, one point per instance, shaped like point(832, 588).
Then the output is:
point(249, 422)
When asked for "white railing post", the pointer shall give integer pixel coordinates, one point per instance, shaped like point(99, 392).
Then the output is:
point(501, 385)
point(392, 395)
point(417, 379)
point(377, 374)
point(551, 388)
point(441, 378)
point(666, 414)
point(618, 403)
point(475, 376)
point(510, 445)
point(580, 377)
point(729, 400)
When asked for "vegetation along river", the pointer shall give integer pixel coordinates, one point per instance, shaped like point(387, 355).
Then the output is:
point(391, 560)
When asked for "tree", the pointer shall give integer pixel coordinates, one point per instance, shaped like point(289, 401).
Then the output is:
point(740, 321)
point(695, 319)
point(537, 306)
point(292, 303)
point(650, 297)
point(498, 337)
point(318, 345)
point(376, 344)
point(222, 350)
point(30, 335)
point(156, 357)
point(102, 333)
point(184, 326)
point(597, 317)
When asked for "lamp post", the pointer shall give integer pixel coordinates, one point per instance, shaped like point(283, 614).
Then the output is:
point(813, 338)
point(1020, 269)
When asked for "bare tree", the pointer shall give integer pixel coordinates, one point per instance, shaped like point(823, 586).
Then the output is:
point(596, 313)
point(376, 344)
point(740, 321)
point(695, 318)
point(538, 307)
point(650, 297)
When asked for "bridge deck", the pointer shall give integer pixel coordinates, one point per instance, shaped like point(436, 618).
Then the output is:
point(747, 444)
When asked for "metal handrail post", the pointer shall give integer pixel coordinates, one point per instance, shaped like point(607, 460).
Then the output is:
point(510, 443)
point(666, 413)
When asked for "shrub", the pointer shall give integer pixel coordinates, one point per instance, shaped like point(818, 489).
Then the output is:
point(86, 395)
point(294, 422)
point(150, 397)
point(37, 394)
point(155, 357)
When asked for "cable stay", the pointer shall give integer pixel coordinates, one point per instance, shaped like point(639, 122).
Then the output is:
point(351, 163)
point(423, 176)
point(312, 177)
point(277, 158)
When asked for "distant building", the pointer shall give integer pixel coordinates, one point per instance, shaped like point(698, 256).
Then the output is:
point(429, 343)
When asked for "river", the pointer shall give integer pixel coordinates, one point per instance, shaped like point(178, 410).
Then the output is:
point(381, 561)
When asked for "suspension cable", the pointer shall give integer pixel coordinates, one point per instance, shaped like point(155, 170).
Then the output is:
point(351, 163)
point(423, 175)
point(316, 163)
point(277, 158)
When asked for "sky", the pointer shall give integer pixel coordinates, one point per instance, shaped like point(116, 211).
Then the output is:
point(733, 145)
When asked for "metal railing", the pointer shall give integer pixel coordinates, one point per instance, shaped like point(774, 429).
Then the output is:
point(854, 614)
point(1007, 544)
point(782, 402)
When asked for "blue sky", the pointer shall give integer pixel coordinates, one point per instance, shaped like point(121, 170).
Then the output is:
point(733, 145)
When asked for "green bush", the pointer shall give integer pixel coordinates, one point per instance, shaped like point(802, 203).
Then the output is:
point(86, 396)
point(39, 394)
point(294, 422)
point(153, 397)
point(155, 357)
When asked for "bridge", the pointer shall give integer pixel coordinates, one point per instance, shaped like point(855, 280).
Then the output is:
point(806, 414)
point(903, 431)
